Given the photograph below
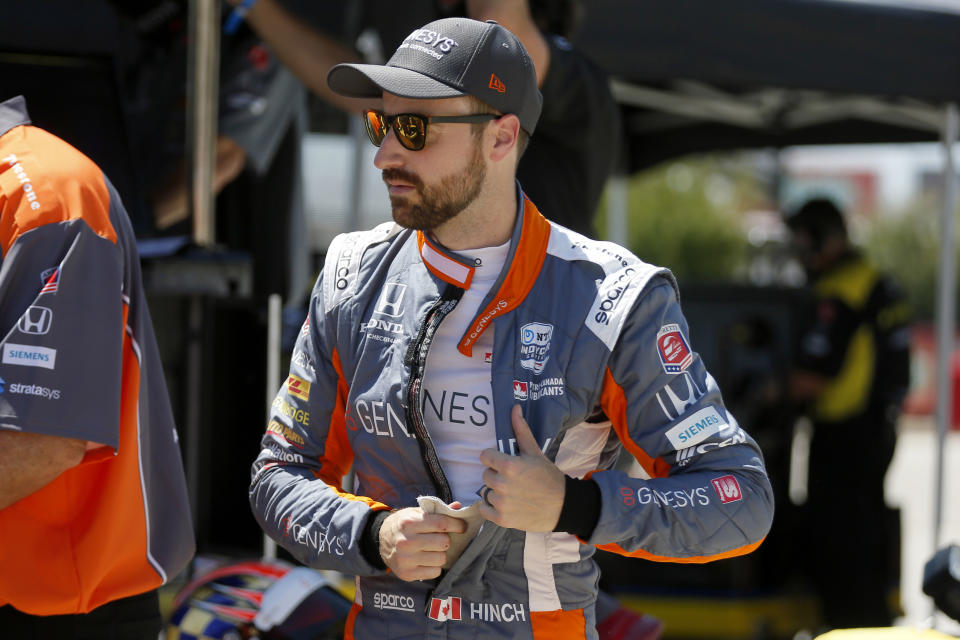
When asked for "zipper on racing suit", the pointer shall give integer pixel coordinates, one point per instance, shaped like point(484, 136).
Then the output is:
point(416, 360)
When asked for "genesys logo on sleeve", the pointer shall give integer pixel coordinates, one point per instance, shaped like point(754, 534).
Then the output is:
point(29, 355)
point(673, 349)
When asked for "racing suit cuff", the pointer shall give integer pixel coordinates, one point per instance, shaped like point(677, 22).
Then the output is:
point(370, 539)
point(581, 508)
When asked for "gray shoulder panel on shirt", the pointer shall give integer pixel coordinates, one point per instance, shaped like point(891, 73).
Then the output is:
point(342, 265)
point(625, 278)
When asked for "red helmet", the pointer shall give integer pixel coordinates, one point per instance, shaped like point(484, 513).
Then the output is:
point(267, 600)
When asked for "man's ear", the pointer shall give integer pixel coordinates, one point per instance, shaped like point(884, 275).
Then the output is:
point(505, 131)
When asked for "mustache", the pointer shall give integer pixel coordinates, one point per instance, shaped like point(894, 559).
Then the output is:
point(403, 176)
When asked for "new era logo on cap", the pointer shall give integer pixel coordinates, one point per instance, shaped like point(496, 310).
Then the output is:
point(497, 84)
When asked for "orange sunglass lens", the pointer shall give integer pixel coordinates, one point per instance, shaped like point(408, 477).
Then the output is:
point(412, 131)
point(376, 127)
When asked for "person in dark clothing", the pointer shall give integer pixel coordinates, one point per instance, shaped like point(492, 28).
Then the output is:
point(852, 374)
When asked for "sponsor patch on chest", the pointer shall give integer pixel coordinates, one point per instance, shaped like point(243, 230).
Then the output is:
point(535, 346)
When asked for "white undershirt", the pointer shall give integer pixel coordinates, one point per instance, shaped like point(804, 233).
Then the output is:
point(458, 397)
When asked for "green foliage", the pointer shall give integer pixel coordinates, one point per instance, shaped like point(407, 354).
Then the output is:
point(907, 245)
point(684, 215)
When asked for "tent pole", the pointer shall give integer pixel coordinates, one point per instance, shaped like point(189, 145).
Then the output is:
point(946, 308)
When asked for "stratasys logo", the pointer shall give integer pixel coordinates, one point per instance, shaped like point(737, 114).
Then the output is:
point(34, 390)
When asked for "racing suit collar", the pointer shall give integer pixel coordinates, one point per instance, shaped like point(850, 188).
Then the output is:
point(528, 248)
point(13, 113)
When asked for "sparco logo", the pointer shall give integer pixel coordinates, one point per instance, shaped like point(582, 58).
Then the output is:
point(343, 267)
point(393, 601)
point(611, 296)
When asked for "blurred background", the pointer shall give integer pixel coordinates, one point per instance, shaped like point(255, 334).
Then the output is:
point(728, 114)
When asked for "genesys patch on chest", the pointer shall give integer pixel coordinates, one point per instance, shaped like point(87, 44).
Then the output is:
point(673, 349)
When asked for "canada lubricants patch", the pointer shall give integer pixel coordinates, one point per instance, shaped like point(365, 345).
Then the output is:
point(672, 347)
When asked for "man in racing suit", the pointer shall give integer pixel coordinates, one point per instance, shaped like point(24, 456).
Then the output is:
point(480, 369)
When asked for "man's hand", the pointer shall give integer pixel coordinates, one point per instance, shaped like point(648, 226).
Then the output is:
point(413, 544)
point(523, 492)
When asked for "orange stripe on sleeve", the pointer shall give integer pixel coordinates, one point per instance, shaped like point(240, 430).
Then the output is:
point(640, 553)
point(338, 455)
point(614, 403)
point(558, 625)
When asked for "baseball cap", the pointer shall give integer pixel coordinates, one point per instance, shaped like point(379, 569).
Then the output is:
point(449, 58)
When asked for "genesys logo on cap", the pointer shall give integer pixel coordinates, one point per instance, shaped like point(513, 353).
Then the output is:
point(438, 43)
point(675, 354)
point(727, 488)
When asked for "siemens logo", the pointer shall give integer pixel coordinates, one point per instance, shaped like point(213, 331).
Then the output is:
point(29, 356)
point(696, 428)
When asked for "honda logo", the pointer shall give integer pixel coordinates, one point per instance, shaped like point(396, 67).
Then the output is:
point(390, 299)
point(36, 320)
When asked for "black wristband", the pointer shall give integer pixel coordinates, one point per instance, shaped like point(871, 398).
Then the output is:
point(581, 508)
point(370, 538)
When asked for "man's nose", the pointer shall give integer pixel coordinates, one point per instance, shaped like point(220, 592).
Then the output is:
point(391, 152)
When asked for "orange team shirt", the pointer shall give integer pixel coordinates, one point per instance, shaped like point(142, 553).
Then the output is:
point(80, 360)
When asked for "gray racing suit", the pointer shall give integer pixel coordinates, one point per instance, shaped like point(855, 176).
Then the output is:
point(580, 327)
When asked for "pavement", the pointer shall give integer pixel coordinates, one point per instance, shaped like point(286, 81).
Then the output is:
point(911, 485)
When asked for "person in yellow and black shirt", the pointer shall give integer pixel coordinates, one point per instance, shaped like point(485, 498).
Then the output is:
point(852, 374)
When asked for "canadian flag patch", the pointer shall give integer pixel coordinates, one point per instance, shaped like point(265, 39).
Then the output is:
point(727, 488)
point(443, 609)
point(520, 391)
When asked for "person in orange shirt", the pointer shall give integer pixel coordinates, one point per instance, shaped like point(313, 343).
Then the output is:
point(94, 515)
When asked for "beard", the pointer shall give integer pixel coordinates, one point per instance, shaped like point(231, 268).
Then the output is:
point(437, 203)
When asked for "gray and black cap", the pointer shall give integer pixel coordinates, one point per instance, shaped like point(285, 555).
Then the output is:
point(450, 58)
